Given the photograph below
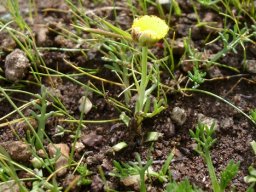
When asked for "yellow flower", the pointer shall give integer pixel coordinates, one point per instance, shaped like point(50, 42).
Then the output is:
point(147, 30)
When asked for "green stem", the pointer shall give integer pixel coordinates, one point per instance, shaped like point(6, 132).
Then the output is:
point(143, 83)
point(127, 93)
point(215, 184)
point(41, 121)
point(142, 89)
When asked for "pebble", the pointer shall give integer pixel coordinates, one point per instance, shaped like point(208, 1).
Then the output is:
point(214, 72)
point(7, 44)
point(227, 123)
point(41, 32)
point(41, 153)
point(91, 139)
point(10, 186)
point(62, 161)
point(79, 147)
point(16, 65)
point(167, 128)
point(251, 66)
point(85, 105)
point(201, 118)
point(165, 3)
point(2, 9)
point(179, 115)
point(97, 184)
point(18, 150)
point(177, 46)
point(131, 180)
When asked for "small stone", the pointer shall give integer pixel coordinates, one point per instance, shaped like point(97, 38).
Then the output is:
point(131, 180)
point(201, 118)
point(227, 123)
point(69, 178)
point(63, 42)
point(158, 153)
point(91, 139)
point(252, 48)
point(41, 153)
point(134, 180)
point(186, 65)
point(2, 9)
point(53, 92)
point(79, 147)
point(214, 72)
point(177, 153)
point(179, 115)
point(18, 150)
point(7, 44)
point(62, 161)
point(165, 3)
point(85, 105)
point(251, 66)
point(97, 184)
point(24, 126)
point(177, 46)
point(9, 186)
point(41, 32)
point(16, 65)
point(106, 164)
point(169, 128)
point(213, 21)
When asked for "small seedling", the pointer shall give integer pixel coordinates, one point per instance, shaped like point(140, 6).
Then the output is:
point(183, 186)
point(133, 170)
point(41, 118)
point(84, 173)
point(197, 77)
point(136, 172)
point(204, 138)
point(251, 178)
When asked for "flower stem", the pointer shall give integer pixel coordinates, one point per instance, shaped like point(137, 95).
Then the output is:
point(215, 184)
point(143, 83)
point(141, 92)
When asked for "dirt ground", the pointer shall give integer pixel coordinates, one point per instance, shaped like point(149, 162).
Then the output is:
point(234, 131)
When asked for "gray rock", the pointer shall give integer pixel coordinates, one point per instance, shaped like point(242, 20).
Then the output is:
point(208, 121)
point(16, 65)
point(214, 72)
point(85, 105)
point(179, 115)
point(252, 48)
point(227, 123)
point(18, 150)
point(91, 139)
point(170, 127)
point(9, 186)
point(177, 46)
point(2, 9)
point(41, 32)
point(251, 66)
point(62, 161)
point(79, 147)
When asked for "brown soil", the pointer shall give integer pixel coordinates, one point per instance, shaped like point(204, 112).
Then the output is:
point(233, 136)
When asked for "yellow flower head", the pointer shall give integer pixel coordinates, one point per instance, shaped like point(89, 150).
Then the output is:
point(147, 30)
